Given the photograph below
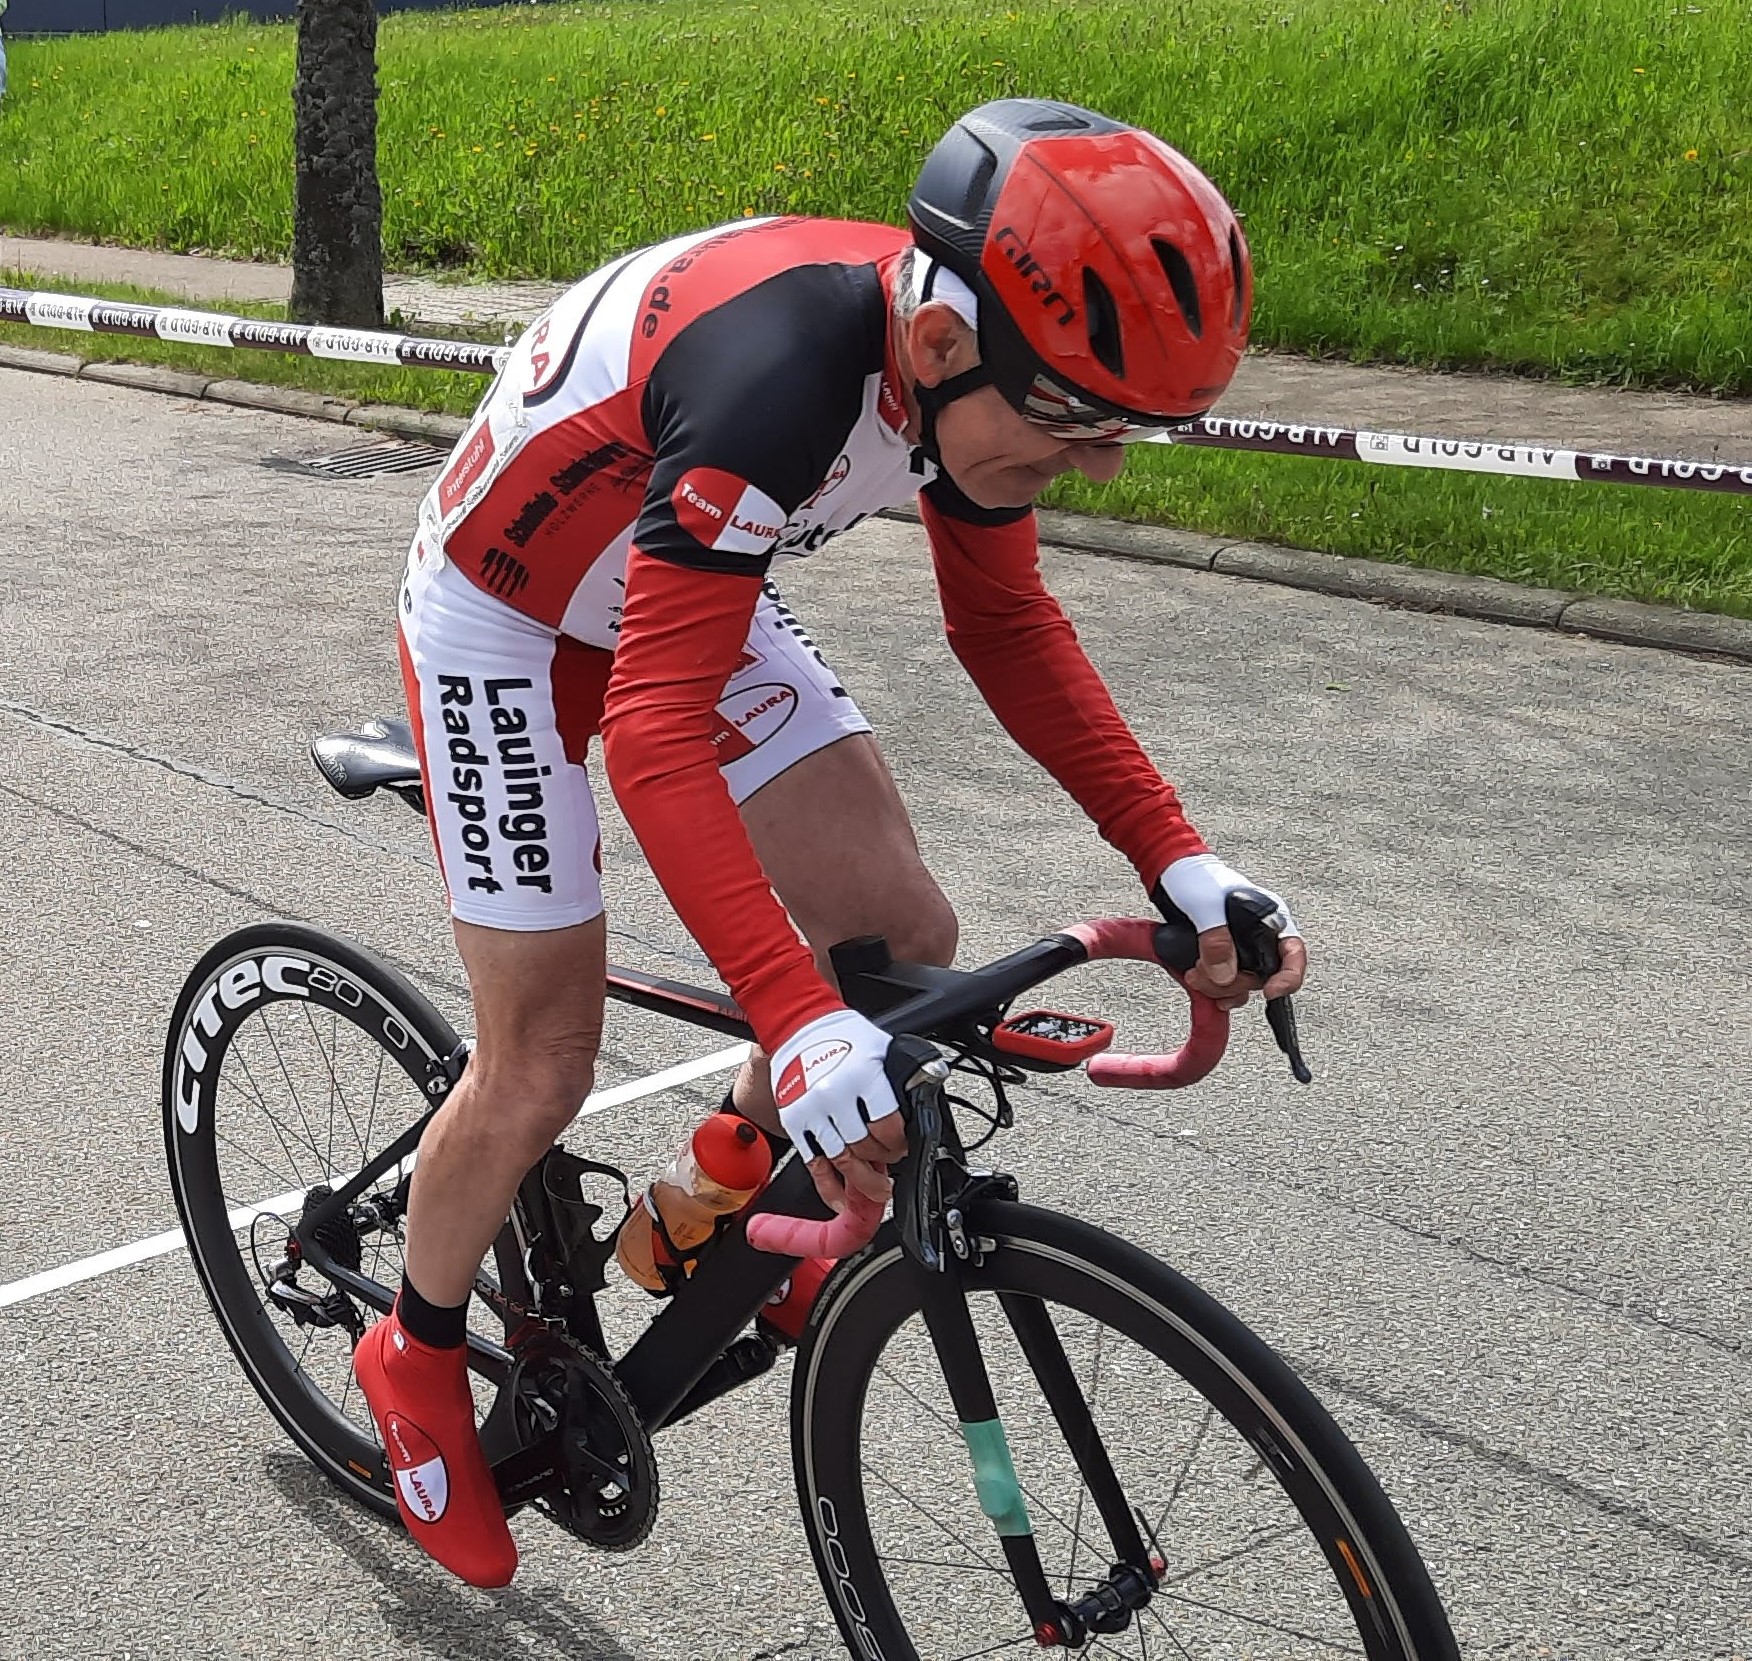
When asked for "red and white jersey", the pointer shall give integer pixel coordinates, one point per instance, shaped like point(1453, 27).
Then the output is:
point(670, 427)
point(725, 399)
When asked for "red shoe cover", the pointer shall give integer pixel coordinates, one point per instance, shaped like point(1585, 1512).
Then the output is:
point(444, 1488)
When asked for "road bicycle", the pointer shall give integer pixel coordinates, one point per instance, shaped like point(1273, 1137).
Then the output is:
point(1010, 1430)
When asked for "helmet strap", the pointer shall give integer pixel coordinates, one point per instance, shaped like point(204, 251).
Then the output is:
point(934, 399)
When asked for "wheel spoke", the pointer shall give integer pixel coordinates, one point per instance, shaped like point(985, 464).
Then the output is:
point(997, 1649)
point(966, 1545)
point(279, 1177)
point(273, 1040)
point(943, 1563)
point(1253, 1620)
point(1180, 1480)
point(950, 1425)
point(1287, 1531)
point(371, 1117)
point(259, 1102)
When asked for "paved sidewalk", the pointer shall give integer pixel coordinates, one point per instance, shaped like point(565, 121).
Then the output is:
point(1277, 386)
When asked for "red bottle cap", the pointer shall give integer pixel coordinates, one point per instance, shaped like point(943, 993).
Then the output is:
point(732, 1152)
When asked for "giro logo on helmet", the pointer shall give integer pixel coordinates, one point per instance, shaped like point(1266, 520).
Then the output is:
point(1016, 252)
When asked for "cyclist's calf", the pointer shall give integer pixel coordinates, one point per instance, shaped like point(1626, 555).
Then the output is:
point(538, 1000)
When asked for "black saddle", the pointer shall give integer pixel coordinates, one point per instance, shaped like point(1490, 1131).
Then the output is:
point(378, 756)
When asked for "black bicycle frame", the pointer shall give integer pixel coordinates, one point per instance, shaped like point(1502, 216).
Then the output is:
point(697, 1324)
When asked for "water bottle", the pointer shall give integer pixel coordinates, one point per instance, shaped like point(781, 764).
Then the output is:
point(717, 1171)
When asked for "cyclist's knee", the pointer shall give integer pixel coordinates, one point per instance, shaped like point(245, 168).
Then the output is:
point(533, 1089)
point(917, 921)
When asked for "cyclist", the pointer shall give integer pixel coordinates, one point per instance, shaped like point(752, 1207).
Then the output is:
point(593, 563)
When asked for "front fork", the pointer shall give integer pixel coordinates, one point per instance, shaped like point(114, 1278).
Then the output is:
point(937, 1213)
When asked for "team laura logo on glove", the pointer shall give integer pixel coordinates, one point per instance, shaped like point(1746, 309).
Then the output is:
point(811, 1067)
point(722, 512)
point(419, 1468)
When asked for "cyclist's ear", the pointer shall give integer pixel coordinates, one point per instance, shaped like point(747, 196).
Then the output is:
point(940, 344)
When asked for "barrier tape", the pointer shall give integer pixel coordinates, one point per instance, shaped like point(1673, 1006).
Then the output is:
point(1461, 455)
point(1455, 455)
point(206, 328)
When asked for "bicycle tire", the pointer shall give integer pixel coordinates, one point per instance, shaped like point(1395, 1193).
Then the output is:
point(1069, 1265)
point(241, 976)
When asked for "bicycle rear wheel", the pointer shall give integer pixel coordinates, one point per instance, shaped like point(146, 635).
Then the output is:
point(292, 1058)
point(1269, 1537)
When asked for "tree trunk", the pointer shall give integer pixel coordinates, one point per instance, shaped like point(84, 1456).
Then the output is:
point(337, 218)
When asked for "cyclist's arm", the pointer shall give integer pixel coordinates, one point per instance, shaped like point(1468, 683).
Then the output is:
point(681, 634)
point(737, 448)
point(1018, 646)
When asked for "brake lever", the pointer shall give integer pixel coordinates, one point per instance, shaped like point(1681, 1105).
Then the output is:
point(918, 1072)
point(1256, 953)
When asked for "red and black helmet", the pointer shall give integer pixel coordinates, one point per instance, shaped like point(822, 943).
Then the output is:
point(1114, 282)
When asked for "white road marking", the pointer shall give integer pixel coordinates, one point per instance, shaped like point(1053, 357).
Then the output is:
point(158, 1245)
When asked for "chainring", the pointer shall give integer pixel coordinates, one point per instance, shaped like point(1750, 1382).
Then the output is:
point(609, 1493)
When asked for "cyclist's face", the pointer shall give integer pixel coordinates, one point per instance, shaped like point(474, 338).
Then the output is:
point(1001, 460)
point(997, 457)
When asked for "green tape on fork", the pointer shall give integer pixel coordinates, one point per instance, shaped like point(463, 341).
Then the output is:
point(994, 1477)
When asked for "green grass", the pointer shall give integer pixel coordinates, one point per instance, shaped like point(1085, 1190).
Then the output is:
point(1672, 546)
point(1556, 189)
point(1669, 546)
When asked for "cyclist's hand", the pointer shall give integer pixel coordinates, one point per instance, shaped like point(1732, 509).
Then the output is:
point(1197, 886)
point(837, 1105)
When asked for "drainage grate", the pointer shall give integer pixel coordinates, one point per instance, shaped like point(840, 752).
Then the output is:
point(370, 461)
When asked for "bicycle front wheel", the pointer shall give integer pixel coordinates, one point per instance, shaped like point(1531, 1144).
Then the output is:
point(1266, 1535)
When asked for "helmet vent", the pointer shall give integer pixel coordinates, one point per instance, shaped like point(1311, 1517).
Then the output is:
point(979, 181)
point(1103, 316)
point(1179, 274)
point(1057, 121)
point(1237, 268)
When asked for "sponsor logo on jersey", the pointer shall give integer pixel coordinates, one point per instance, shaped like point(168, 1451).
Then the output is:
point(420, 1473)
point(503, 574)
point(748, 720)
point(534, 514)
point(725, 513)
point(496, 792)
point(587, 466)
point(470, 463)
point(836, 476)
point(809, 1068)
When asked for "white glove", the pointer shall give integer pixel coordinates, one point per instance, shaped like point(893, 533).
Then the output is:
point(1199, 885)
point(829, 1082)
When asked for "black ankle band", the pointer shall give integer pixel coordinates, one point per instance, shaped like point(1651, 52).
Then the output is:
point(432, 1324)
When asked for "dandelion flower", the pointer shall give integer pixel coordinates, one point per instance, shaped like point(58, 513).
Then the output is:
point(1691, 155)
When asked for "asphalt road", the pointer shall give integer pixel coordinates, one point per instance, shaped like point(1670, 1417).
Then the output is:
point(1505, 1235)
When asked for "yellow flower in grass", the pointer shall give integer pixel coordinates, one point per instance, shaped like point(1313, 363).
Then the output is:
point(1691, 155)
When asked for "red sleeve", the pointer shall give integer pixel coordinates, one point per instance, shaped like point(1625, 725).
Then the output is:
point(1022, 653)
point(681, 633)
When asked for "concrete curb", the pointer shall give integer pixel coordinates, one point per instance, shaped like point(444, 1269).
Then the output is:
point(1628, 622)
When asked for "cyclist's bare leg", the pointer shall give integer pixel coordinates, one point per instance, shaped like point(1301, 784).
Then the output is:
point(835, 841)
point(538, 1001)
